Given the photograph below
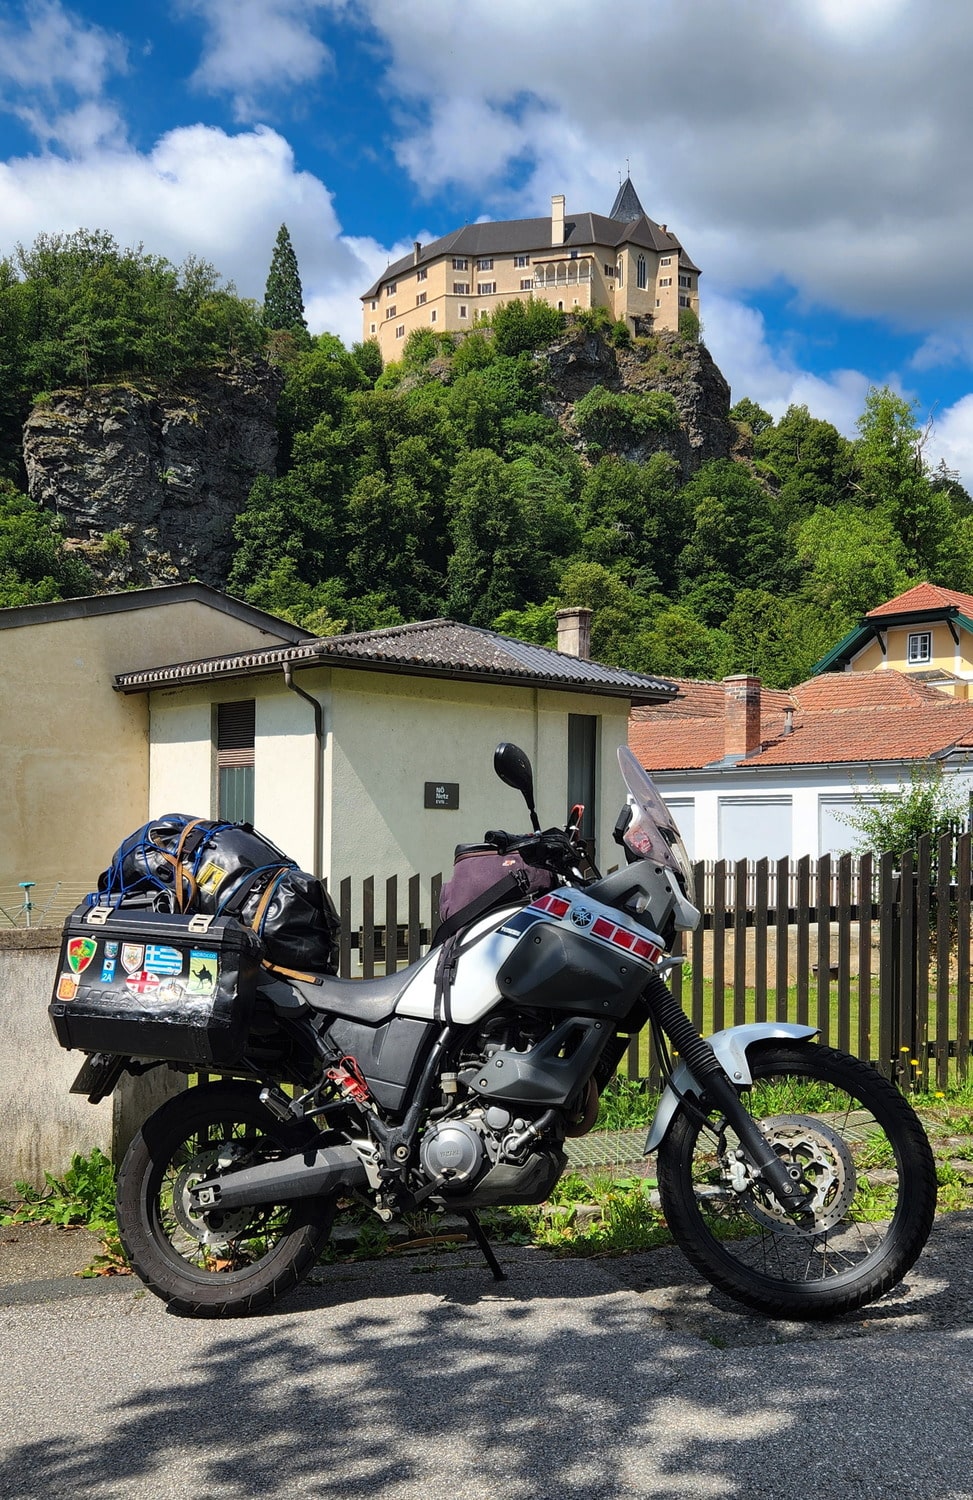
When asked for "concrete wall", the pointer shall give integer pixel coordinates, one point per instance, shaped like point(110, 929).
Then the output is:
point(43, 1124)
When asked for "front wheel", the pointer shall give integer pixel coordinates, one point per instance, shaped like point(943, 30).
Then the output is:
point(209, 1264)
point(860, 1149)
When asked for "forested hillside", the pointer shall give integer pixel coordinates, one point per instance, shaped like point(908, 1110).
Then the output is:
point(496, 477)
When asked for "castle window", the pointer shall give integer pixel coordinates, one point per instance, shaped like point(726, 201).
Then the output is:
point(919, 647)
point(485, 288)
point(486, 264)
point(461, 288)
point(641, 279)
point(390, 311)
point(420, 299)
point(620, 274)
point(421, 275)
point(609, 270)
point(459, 264)
point(521, 260)
point(666, 260)
point(683, 300)
point(432, 316)
point(526, 283)
point(390, 289)
point(371, 327)
point(665, 281)
point(462, 309)
point(374, 304)
point(685, 281)
point(400, 331)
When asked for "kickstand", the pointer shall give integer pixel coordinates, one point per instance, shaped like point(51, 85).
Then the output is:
point(486, 1249)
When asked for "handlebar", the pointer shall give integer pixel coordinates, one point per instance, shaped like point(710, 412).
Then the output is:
point(551, 849)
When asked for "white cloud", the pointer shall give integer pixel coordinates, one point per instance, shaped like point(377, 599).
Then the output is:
point(952, 439)
point(201, 191)
point(54, 70)
point(257, 46)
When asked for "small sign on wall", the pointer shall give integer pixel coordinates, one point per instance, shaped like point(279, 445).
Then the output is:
point(442, 794)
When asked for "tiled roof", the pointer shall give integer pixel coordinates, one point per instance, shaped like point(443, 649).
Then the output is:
point(925, 596)
point(441, 648)
point(846, 717)
point(520, 236)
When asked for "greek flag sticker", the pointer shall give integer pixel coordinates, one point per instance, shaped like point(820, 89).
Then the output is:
point(162, 960)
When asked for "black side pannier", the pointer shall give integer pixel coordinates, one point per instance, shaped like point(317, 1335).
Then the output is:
point(178, 863)
point(156, 985)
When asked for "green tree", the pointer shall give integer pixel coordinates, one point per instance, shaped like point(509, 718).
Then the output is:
point(754, 416)
point(622, 419)
point(523, 326)
point(35, 565)
point(812, 461)
point(891, 820)
point(283, 295)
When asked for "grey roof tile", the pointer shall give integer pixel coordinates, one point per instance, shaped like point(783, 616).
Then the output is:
point(442, 648)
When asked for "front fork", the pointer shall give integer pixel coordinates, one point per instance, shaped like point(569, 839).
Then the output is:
point(717, 1068)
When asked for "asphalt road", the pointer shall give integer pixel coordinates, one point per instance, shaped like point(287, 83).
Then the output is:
point(421, 1379)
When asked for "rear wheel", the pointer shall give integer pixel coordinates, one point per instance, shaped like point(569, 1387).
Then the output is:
point(207, 1264)
point(858, 1146)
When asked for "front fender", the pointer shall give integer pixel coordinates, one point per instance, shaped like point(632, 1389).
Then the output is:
point(731, 1047)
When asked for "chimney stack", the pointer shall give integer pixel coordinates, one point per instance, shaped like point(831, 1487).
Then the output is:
point(416, 252)
point(557, 219)
point(574, 632)
point(742, 716)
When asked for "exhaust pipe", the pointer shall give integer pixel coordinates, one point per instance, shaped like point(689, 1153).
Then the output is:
point(307, 1174)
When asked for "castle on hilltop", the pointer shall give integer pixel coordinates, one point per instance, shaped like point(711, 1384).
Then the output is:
point(626, 262)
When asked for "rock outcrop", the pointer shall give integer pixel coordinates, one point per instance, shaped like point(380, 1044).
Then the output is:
point(148, 482)
point(585, 358)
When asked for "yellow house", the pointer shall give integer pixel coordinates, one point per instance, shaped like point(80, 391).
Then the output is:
point(624, 262)
point(927, 632)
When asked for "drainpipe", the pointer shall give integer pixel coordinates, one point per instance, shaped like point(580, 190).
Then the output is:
point(318, 765)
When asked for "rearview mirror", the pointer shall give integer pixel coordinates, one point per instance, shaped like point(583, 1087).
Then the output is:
point(514, 768)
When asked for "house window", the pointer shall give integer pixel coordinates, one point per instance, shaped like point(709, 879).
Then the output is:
point(609, 270)
point(420, 299)
point(526, 283)
point(421, 275)
point(459, 264)
point(374, 304)
point(390, 311)
point(461, 288)
point(920, 647)
point(432, 316)
point(666, 260)
point(235, 726)
point(400, 331)
point(390, 289)
point(372, 327)
point(683, 300)
point(686, 281)
point(665, 281)
point(485, 264)
point(485, 288)
point(582, 766)
point(462, 309)
point(641, 278)
point(521, 260)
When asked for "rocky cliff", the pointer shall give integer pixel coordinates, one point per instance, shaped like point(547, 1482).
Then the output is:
point(147, 483)
point(584, 358)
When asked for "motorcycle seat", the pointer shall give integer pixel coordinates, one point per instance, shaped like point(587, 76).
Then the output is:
point(371, 1001)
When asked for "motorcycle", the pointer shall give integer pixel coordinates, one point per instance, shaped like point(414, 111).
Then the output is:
point(795, 1178)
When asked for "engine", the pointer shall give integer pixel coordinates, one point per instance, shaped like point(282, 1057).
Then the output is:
point(480, 1152)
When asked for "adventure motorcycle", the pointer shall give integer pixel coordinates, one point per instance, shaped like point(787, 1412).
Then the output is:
point(795, 1178)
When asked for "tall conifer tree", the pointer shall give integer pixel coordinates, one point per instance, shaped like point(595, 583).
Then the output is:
point(283, 297)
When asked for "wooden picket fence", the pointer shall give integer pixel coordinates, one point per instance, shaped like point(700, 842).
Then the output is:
point(873, 950)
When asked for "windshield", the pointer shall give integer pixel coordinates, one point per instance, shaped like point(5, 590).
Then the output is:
point(652, 831)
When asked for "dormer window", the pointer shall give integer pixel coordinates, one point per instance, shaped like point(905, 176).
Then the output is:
point(919, 650)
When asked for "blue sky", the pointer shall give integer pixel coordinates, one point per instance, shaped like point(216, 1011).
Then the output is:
point(814, 157)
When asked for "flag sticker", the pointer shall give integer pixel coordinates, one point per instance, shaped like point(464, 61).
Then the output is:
point(163, 960)
point(132, 957)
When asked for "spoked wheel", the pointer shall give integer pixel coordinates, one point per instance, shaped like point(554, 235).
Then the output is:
point(858, 1149)
point(209, 1264)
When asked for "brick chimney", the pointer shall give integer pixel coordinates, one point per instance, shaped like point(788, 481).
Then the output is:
point(574, 632)
point(741, 716)
point(557, 219)
point(416, 252)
